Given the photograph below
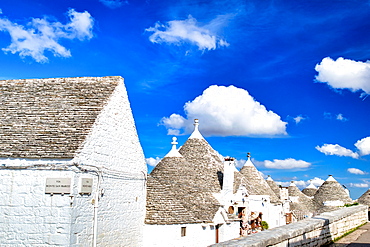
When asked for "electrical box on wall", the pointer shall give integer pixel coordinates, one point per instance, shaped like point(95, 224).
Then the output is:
point(58, 186)
point(86, 185)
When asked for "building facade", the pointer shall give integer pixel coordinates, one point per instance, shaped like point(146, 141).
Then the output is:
point(72, 169)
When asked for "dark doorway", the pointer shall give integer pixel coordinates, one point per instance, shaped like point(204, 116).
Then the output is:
point(217, 232)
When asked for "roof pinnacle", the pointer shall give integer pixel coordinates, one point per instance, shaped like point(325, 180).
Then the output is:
point(196, 133)
point(174, 142)
point(173, 152)
point(248, 162)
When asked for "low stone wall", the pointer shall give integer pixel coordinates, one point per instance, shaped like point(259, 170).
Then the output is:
point(316, 231)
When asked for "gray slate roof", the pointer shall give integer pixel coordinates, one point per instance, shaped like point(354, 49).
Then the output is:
point(191, 202)
point(255, 183)
point(206, 163)
point(50, 118)
point(275, 188)
point(309, 191)
point(331, 191)
point(304, 204)
point(163, 205)
point(365, 198)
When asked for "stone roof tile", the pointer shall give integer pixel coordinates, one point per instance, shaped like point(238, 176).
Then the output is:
point(365, 198)
point(331, 190)
point(50, 118)
point(255, 183)
point(178, 177)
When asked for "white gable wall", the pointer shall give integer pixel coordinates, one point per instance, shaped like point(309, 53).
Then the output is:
point(34, 218)
point(114, 144)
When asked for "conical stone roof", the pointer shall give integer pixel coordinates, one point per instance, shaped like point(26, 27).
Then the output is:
point(255, 183)
point(204, 160)
point(163, 207)
point(310, 190)
point(173, 187)
point(331, 190)
point(364, 198)
point(275, 188)
point(301, 202)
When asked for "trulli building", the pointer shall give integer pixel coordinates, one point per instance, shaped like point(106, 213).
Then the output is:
point(332, 194)
point(310, 190)
point(194, 197)
point(261, 197)
point(72, 169)
point(182, 209)
point(301, 206)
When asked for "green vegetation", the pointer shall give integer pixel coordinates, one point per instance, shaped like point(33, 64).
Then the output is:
point(350, 205)
point(264, 225)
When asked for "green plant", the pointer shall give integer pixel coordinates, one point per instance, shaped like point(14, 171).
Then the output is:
point(264, 225)
point(350, 205)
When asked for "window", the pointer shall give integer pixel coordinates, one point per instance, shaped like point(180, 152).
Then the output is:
point(231, 210)
point(183, 231)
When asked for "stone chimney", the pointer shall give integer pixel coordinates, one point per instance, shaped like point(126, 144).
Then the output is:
point(228, 179)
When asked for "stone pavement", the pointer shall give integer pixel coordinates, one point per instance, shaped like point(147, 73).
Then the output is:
point(358, 238)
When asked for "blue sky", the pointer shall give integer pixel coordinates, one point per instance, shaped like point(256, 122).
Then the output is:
point(287, 81)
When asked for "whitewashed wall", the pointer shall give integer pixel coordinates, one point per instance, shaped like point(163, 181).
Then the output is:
point(33, 218)
point(273, 214)
point(196, 234)
point(114, 143)
point(29, 217)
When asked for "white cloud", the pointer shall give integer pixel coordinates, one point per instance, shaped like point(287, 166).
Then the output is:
point(40, 35)
point(240, 163)
point(283, 184)
point(299, 119)
point(113, 4)
point(335, 149)
point(286, 164)
point(355, 171)
point(186, 31)
point(358, 185)
point(344, 74)
point(340, 117)
point(303, 184)
point(227, 111)
point(300, 184)
point(152, 161)
point(315, 181)
point(175, 121)
point(363, 146)
point(80, 26)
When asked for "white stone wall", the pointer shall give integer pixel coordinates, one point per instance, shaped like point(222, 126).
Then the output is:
point(316, 231)
point(229, 231)
point(29, 217)
point(277, 216)
point(196, 234)
point(114, 144)
point(273, 214)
